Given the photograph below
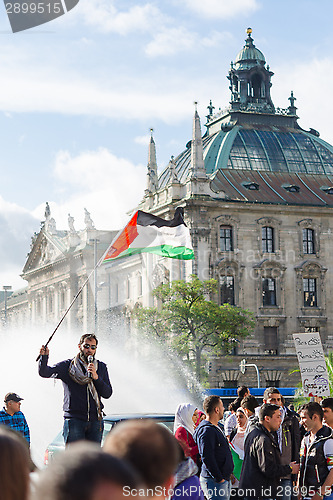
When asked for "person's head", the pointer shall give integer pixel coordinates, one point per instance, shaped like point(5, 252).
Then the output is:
point(84, 472)
point(12, 403)
point(14, 465)
point(243, 391)
point(213, 407)
point(186, 416)
point(149, 447)
point(312, 416)
point(272, 396)
point(233, 406)
point(270, 416)
point(249, 404)
point(201, 417)
point(327, 406)
point(88, 345)
point(241, 418)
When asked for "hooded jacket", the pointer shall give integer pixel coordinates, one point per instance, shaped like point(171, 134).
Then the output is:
point(262, 468)
point(217, 463)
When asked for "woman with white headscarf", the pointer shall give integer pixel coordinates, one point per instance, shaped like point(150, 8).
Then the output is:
point(185, 420)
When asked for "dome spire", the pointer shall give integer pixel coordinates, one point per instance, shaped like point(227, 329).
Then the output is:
point(250, 80)
point(152, 179)
point(197, 159)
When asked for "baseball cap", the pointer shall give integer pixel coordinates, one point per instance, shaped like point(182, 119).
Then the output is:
point(12, 396)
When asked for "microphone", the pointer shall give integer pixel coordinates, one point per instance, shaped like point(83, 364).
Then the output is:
point(90, 360)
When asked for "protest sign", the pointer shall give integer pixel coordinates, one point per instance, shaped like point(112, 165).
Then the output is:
point(312, 364)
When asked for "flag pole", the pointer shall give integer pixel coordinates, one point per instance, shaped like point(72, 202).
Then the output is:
point(78, 293)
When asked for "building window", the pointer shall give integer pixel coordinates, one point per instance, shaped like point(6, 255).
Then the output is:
point(310, 292)
point(267, 239)
point(227, 289)
point(116, 293)
point(311, 329)
point(226, 239)
point(139, 286)
point(272, 382)
point(271, 340)
point(308, 241)
point(128, 288)
point(62, 300)
point(268, 292)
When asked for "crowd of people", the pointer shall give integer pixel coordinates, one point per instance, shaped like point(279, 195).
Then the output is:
point(265, 451)
point(259, 452)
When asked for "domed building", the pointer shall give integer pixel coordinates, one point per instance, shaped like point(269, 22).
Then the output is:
point(257, 192)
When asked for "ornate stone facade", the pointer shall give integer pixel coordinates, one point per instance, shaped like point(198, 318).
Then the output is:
point(257, 193)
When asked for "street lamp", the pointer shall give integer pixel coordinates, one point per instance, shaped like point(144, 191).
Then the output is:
point(243, 365)
point(6, 289)
point(95, 241)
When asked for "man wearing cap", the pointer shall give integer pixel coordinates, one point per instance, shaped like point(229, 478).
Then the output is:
point(12, 416)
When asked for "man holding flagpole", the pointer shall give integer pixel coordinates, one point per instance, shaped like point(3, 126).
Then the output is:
point(85, 382)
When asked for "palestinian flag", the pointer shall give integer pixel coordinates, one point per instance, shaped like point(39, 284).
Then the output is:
point(149, 233)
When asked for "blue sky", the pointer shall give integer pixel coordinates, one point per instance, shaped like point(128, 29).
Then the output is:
point(79, 95)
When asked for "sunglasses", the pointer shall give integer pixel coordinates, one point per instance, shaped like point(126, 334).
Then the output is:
point(88, 346)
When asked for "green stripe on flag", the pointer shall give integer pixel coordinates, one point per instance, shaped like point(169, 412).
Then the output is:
point(181, 253)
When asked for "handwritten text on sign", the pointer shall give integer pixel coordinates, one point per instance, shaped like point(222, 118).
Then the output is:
point(312, 364)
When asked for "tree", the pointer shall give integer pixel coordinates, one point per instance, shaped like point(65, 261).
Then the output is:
point(191, 323)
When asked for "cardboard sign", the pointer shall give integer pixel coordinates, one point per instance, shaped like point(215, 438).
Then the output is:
point(312, 364)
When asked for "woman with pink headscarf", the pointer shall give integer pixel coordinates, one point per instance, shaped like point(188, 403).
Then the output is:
point(185, 419)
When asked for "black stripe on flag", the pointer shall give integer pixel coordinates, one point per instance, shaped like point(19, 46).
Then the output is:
point(146, 219)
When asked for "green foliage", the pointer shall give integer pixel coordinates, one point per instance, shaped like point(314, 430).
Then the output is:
point(192, 324)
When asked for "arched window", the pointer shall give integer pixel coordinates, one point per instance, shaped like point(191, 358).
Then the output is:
point(256, 86)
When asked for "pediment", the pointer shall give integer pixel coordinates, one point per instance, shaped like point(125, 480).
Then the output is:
point(46, 248)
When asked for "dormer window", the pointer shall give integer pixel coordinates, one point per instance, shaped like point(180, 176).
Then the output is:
point(252, 186)
point(292, 188)
point(327, 189)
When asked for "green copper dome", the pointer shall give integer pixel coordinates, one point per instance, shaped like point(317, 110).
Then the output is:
point(249, 56)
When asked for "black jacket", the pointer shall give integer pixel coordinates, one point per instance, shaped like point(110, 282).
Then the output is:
point(217, 463)
point(261, 469)
point(291, 436)
point(77, 400)
point(313, 465)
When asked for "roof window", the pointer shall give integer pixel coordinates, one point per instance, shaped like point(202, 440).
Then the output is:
point(327, 189)
point(252, 186)
point(292, 188)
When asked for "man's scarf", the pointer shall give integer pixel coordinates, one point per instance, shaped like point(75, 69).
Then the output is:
point(80, 377)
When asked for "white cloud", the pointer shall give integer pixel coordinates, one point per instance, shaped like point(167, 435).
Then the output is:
point(106, 185)
point(222, 9)
point(142, 139)
point(168, 42)
point(17, 225)
point(104, 15)
point(69, 93)
point(314, 108)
